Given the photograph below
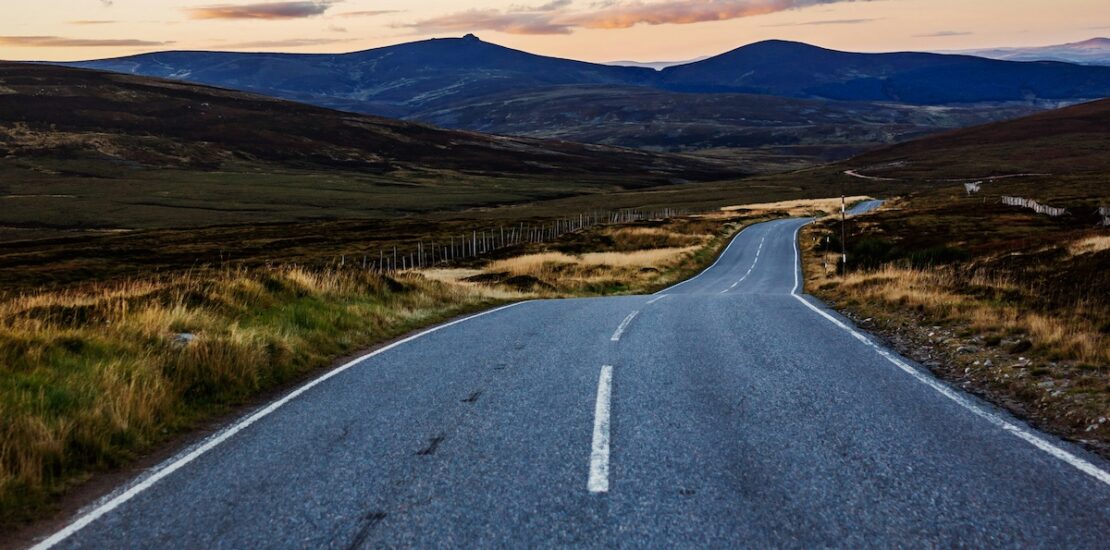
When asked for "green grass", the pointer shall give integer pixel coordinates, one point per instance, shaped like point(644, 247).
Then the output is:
point(90, 379)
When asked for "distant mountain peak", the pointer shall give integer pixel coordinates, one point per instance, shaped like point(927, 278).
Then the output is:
point(1099, 42)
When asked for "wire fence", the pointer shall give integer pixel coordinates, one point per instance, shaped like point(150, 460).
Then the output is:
point(1053, 211)
point(443, 250)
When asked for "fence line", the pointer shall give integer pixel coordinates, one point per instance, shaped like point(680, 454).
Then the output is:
point(480, 242)
point(1037, 207)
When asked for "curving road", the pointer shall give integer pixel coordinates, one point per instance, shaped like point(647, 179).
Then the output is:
point(725, 411)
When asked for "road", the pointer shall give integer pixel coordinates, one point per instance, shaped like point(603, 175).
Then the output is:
point(725, 411)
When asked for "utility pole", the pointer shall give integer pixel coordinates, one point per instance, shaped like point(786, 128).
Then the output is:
point(843, 232)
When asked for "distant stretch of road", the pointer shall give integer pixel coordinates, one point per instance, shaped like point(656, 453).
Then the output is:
point(729, 410)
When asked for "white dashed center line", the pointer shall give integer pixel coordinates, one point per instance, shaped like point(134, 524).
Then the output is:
point(599, 454)
point(749, 272)
point(623, 326)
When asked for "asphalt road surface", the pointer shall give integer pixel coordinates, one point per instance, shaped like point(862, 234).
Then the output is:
point(725, 411)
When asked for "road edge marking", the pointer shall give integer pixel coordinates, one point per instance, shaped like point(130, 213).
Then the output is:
point(1000, 422)
point(176, 463)
point(598, 481)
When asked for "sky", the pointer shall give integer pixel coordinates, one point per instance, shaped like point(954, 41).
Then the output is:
point(592, 30)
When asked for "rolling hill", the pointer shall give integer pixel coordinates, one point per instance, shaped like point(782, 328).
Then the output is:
point(800, 70)
point(390, 81)
point(83, 149)
point(1070, 141)
point(62, 113)
point(669, 121)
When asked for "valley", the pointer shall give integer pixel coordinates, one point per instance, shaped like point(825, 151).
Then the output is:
point(408, 278)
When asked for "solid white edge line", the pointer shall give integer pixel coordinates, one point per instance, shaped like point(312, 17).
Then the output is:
point(623, 326)
point(599, 450)
point(1022, 433)
point(177, 463)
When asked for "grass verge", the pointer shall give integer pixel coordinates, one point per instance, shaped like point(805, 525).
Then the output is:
point(93, 377)
point(1007, 304)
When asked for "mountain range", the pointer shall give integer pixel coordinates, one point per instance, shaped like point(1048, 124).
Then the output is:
point(403, 79)
point(1095, 51)
point(808, 96)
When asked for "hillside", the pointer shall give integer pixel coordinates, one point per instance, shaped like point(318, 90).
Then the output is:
point(800, 70)
point(61, 112)
point(94, 150)
point(388, 81)
point(1073, 140)
point(663, 120)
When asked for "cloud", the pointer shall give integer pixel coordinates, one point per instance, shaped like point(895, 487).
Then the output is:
point(825, 22)
point(477, 20)
point(553, 5)
point(940, 34)
point(366, 13)
point(90, 22)
point(62, 42)
point(554, 17)
point(261, 10)
point(685, 12)
point(290, 43)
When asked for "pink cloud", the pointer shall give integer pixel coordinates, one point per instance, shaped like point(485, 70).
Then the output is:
point(684, 12)
point(261, 10)
point(508, 22)
point(62, 42)
point(555, 17)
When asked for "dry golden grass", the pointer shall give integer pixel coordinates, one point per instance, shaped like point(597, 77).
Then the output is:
point(594, 272)
point(90, 377)
point(941, 293)
point(638, 238)
point(1090, 245)
point(542, 263)
point(801, 207)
